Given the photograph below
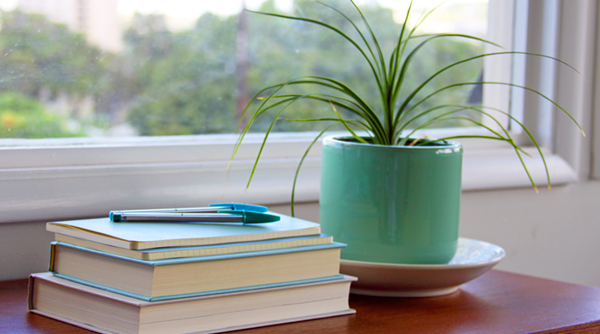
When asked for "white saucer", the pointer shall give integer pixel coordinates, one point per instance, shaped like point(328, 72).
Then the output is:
point(473, 258)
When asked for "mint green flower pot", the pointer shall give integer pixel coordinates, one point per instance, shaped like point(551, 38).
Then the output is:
point(391, 204)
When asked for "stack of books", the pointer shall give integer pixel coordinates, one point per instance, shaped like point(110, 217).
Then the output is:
point(179, 278)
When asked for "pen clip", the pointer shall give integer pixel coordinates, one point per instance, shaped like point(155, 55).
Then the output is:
point(241, 207)
point(251, 217)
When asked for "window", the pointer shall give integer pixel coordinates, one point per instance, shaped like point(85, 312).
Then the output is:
point(565, 30)
point(175, 68)
point(69, 178)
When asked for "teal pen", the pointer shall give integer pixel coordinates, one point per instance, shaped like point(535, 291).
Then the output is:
point(211, 208)
point(227, 216)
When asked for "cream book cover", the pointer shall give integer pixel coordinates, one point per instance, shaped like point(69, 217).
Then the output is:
point(155, 235)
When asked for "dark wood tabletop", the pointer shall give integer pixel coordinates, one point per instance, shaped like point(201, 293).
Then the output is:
point(497, 302)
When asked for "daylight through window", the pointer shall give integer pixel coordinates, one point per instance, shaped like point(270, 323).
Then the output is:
point(95, 68)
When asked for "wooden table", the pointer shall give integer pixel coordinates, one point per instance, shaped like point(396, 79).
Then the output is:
point(497, 302)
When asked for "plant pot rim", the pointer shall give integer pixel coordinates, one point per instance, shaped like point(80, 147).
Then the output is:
point(335, 139)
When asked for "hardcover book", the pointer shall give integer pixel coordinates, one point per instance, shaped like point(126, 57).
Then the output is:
point(181, 277)
point(107, 312)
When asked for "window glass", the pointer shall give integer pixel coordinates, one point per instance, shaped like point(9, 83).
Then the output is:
point(90, 68)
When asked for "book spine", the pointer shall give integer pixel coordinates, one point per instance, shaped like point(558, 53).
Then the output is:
point(30, 293)
point(52, 256)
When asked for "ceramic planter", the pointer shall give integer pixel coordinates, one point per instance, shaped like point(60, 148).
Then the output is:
point(391, 204)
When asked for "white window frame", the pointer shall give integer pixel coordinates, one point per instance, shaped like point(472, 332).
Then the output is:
point(54, 179)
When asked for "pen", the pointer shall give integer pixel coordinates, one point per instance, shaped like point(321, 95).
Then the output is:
point(214, 208)
point(227, 216)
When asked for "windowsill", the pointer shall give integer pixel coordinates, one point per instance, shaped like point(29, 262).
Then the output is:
point(501, 168)
point(92, 177)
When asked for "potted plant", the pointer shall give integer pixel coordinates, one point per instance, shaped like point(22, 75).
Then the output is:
point(392, 196)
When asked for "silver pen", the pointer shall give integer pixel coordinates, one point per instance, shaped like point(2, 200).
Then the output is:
point(226, 216)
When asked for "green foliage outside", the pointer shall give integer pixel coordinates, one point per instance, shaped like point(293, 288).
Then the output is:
point(186, 82)
point(23, 117)
point(42, 58)
point(198, 76)
point(38, 54)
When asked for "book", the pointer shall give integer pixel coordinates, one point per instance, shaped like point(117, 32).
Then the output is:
point(107, 312)
point(156, 235)
point(174, 252)
point(183, 277)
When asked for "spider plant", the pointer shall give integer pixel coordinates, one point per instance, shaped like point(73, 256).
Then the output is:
point(394, 120)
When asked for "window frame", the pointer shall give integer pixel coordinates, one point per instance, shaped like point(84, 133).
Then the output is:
point(55, 179)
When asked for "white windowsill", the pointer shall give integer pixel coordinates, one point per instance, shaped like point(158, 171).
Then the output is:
point(43, 181)
point(500, 168)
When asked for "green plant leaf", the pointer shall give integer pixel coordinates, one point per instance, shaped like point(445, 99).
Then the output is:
point(357, 137)
point(265, 140)
point(401, 47)
point(499, 83)
point(375, 41)
point(329, 119)
point(340, 101)
point(396, 54)
point(413, 53)
point(243, 134)
point(415, 91)
point(300, 165)
point(334, 29)
point(516, 147)
point(379, 69)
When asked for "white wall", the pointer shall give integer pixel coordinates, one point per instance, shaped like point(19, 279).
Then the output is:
point(24, 249)
point(553, 235)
